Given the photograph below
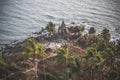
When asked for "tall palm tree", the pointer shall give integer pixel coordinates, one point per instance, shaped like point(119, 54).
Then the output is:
point(51, 29)
point(63, 56)
point(94, 60)
point(75, 67)
point(35, 50)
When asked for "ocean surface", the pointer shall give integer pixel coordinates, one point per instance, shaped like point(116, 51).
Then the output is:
point(19, 18)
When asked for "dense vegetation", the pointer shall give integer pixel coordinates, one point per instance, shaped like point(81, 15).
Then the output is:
point(81, 57)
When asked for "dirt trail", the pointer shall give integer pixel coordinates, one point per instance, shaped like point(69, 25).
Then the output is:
point(50, 56)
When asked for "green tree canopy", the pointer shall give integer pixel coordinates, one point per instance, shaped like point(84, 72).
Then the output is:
point(106, 34)
point(50, 27)
point(32, 47)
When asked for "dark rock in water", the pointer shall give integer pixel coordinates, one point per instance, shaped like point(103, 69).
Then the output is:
point(2, 49)
point(38, 33)
point(118, 30)
point(92, 30)
point(73, 23)
point(12, 49)
point(113, 37)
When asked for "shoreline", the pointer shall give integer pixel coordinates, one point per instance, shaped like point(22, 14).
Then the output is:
point(45, 34)
point(62, 34)
point(37, 34)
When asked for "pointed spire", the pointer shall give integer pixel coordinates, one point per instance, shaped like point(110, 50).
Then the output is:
point(63, 24)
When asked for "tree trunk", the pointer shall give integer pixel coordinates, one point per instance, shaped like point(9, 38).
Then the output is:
point(44, 70)
point(36, 75)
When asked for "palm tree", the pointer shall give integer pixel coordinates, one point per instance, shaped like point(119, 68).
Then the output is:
point(63, 56)
point(50, 28)
point(110, 67)
point(75, 67)
point(34, 49)
point(94, 60)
